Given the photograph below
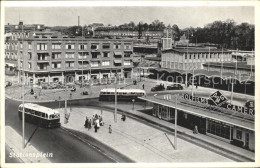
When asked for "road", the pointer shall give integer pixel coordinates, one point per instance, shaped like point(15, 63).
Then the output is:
point(65, 147)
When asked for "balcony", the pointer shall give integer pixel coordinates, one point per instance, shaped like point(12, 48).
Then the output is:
point(42, 60)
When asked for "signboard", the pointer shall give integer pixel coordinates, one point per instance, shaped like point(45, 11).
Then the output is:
point(220, 103)
point(218, 98)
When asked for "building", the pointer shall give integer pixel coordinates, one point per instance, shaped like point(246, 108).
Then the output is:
point(12, 34)
point(242, 56)
point(192, 58)
point(225, 121)
point(51, 57)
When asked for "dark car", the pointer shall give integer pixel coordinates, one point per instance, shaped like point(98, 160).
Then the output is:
point(85, 92)
point(158, 88)
point(174, 87)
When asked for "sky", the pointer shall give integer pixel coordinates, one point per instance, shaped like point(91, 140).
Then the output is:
point(184, 17)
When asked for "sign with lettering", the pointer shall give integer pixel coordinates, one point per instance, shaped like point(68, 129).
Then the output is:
point(223, 104)
point(218, 98)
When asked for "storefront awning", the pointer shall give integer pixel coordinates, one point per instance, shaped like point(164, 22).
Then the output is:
point(10, 64)
point(117, 61)
point(117, 52)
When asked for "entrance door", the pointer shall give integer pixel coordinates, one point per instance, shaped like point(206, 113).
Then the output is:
point(247, 140)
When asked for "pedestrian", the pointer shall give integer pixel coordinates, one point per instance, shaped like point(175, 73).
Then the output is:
point(93, 120)
point(143, 86)
point(89, 124)
point(110, 129)
point(123, 117)
point(95, 127)
point(86, 122)
point(195, 131)
point(97, 123)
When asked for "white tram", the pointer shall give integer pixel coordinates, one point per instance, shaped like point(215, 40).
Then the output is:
point(122, 94)
point(40, 115)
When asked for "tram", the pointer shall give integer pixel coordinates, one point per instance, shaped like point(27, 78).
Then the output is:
point(40, 115)
point(122, 94)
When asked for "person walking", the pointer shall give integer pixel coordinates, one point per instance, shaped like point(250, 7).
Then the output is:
point(195, 131)
point(95, 128)
point(86, 122)
point(89, 124)
point(143, 86)
point(110, 129)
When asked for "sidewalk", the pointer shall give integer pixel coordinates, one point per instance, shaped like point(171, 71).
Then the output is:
point(138, 141)
point(29, 154)
point(187, 133)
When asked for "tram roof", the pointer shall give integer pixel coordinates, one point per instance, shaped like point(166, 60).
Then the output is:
point(40, 108)
point(229, 119)
point(122, 90)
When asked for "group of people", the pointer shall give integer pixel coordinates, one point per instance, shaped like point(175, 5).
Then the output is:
point(96, 121)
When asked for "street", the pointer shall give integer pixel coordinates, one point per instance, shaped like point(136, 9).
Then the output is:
point(65, 147)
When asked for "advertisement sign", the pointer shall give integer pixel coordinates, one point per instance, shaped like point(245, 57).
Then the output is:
point(218, 98)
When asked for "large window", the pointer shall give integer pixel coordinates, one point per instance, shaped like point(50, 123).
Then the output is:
point(94, 46)
point(69, 55)
point(56, 65)
point(42, 46)
point(95, 55)
point(105, 63)
point(106, 46)
point(82, 46)
point(239, 135)
point(70, 46)
point(56, 55)
point(219, 129)
point(69, 64)
point(128, 46)
point(94, 64)
point(56, 46)
point(29, 65)
point(106, 54)
point(117, 46)
point(29, 45)
point(42, 56)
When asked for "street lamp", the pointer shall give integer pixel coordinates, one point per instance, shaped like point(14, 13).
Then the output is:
point(133, 100)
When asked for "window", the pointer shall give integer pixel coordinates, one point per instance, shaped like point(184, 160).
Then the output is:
point(239, 134)
point(116, 46)
point(42, 46)
point(128, 46)
point(70, 46)
point(106, 54)
point(105, 63)
point(69, 64)
point(106, 46)
point(29, 46)
point(42, 56)
point(69, 55)
point(21, 45)
point(56, 65)
point(56, 46)
point(29, 55)
point(82, 46)
point(95, 55)
point(127, 62)
point(42, 66)
point(29, 65)
point(127, 54)
point(185, 56)
point(94, 64)
point(56, 55)
point(94, 46)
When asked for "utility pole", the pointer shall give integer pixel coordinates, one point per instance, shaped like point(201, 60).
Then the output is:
point(23, 83)
point(175, 123)
point(115, 115)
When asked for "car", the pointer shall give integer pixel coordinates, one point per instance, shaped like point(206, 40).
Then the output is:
point(85, 92)
point(158, 88)
point(53, 86)
point(174, 87)
point(7, 83)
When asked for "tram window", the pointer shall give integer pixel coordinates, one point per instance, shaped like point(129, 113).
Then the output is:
point(32, 112)
point(132, 92)
point(124, 93)
point(43, 115)
point(36, 113)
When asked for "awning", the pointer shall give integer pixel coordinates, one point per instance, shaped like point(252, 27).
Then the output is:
point(117, 61)
point(117, 52)
point(10, 64)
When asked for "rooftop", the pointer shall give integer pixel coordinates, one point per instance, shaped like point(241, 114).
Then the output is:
point(197, 50)
point(240, 65)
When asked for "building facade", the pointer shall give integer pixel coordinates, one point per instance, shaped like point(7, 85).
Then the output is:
point(12, 34)
point(52, 58)
point(192, 58)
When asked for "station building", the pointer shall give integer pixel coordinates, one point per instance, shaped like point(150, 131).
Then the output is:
point(52, 57)
point(225, 121)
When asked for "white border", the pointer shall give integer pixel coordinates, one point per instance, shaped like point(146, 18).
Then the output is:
point(131, 3)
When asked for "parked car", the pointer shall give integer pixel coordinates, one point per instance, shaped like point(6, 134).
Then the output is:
point(158, 88)
point(53, 86)
point(174, 87)
point(85, 92)
point(7, 83)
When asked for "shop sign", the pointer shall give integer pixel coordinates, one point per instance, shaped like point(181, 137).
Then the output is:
point(224, 105)
point(218, 98)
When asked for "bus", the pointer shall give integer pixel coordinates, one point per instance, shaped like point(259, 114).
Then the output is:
point(40, 115)
point(108, 94)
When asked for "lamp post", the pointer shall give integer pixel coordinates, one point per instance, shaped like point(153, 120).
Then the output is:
point(115, 114)
point(133, 100)
point(23, 83)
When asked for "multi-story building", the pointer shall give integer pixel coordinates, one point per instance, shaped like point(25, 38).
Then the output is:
point(12, 34)
point(53, 57)
point(192, 58)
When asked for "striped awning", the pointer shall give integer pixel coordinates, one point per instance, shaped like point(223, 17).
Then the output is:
point(117, 61)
